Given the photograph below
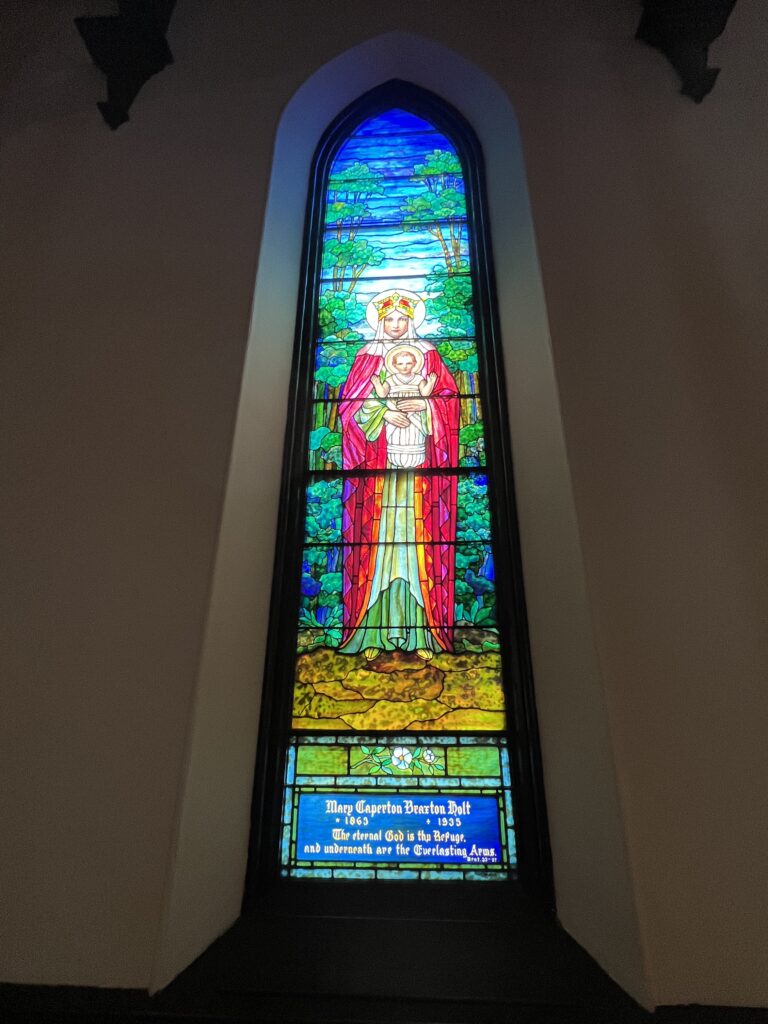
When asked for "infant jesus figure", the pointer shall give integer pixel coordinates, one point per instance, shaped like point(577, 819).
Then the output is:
point(406, 432)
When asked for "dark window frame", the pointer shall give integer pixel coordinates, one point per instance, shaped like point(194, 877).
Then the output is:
point(534, 870)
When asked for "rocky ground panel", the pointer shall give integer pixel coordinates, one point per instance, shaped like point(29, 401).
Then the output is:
point(398, 692)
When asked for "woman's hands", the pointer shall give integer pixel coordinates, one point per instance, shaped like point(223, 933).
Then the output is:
point(399, 417)
point(396, 418)
point(411, 404)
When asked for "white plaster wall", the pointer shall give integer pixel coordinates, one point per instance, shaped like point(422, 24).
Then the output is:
point(592, 875)
point(132, 653)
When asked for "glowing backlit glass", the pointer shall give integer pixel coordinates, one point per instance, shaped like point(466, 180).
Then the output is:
point(397, 765)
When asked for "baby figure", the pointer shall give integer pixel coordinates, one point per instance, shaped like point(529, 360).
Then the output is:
point(406, 444)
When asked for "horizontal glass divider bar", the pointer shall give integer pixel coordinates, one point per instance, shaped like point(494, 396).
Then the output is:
point(367, 232)
point(474, 395)
point(466, 346)
point(390, 187)
point(391, 207)
point(458, 635)
point(365, 739)
point(401, 187)
point(432, 263)
point(495, 738)
point(448, 339)
point(478, 547)
point(381, 168)
point(392, 272)
point(376, 224)
point(388, 215)
point(388, 210)
point(384, 151)
point(483, 542)
point(393, 263)
point(457, 632)
point(327, 474)
point(386, 167)
point(354, 474)
point(416, 663)
point(440, 398)
point(324, 279)
point(465, 350)
point(345, 474)
point(389, 166)
point(439, 401)
point(392, 232)
point(433, 138)
point(377, 272)
point(377, 153)
point(367, 282)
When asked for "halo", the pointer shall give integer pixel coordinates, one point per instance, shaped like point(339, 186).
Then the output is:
point(419, 311)
point(418, 355)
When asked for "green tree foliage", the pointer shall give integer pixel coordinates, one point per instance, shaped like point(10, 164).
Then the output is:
point(323, 521)
point(440, 208)
point(473, 521)
point(325, 447)
point(471, 444)
point(348, 192)
point(461, 359)
point(347, 259)
point(475, 594)
point(337, 315)
point(332, 365)
point(321, 612)
point(450, 299)
point(346, 255)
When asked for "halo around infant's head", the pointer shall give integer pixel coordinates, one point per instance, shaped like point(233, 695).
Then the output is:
point(403, 301)
point(389, 358)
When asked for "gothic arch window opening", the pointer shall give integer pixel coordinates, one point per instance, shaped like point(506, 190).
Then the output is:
point(409, 748)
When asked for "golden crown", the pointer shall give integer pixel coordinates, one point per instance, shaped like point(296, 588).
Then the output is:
point(395, 303)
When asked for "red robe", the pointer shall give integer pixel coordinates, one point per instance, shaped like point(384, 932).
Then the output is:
point(435, 497)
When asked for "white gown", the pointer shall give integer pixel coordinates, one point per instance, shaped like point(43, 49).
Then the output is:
point(406, 446)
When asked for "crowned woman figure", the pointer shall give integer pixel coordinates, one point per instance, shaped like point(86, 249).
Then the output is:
point(399, 413)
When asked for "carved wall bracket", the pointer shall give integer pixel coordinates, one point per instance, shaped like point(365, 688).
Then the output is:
point(129, 47)
point(684, 31)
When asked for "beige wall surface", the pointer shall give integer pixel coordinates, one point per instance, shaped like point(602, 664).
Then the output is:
point(131, 259)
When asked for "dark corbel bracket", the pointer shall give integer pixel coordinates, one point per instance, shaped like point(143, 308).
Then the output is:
point(129, 48)
point(684, 30)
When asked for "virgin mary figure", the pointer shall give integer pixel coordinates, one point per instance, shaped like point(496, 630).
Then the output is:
point(398, 408)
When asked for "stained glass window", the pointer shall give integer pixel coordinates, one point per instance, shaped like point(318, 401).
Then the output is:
point(397, 763)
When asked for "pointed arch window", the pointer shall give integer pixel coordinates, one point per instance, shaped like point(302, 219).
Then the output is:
point(397, 670)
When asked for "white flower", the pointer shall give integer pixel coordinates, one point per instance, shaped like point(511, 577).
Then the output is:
point(401, 758)
point(429, 756)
